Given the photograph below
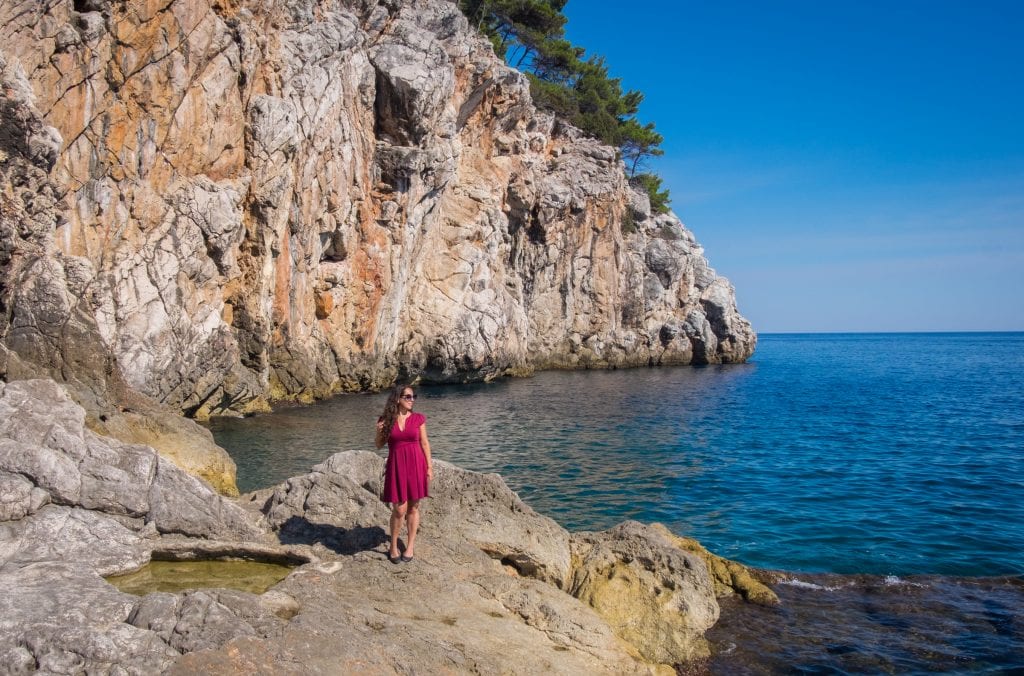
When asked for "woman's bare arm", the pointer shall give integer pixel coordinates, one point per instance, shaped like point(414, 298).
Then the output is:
point(425, 445)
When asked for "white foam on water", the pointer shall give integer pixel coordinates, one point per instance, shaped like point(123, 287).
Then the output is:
point(794, 582)
point(894, 580)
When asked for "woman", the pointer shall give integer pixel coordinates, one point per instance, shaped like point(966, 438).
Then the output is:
point(409, 469)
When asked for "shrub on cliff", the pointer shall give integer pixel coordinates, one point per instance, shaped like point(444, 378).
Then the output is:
point(651, 184)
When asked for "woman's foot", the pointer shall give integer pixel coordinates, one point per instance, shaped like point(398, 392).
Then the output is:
point(407, 555)
point(394, 556)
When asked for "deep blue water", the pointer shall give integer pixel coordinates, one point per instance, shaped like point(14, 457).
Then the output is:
point(890, 454)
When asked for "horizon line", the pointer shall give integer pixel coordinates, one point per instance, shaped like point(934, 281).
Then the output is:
point(877, 332)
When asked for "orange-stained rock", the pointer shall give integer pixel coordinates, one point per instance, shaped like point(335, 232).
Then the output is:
point(324, 305)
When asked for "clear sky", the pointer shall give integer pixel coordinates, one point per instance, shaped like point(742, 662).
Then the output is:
point(850, 165)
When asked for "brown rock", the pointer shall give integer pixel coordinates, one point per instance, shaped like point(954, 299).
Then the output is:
point(324, 305)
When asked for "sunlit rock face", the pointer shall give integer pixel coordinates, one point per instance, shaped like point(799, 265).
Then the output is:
point(243, 200)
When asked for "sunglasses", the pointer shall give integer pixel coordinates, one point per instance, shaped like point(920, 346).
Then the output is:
point(409, 397)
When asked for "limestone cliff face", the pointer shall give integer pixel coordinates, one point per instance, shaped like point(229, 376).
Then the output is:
point(248, 200)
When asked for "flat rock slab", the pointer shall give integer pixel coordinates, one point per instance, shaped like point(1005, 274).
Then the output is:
point(47, 455)
point(77, 535)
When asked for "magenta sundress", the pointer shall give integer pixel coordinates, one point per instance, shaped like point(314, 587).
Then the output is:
point(405, 474)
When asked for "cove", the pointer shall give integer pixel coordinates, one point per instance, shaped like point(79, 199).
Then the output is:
point(888, 454)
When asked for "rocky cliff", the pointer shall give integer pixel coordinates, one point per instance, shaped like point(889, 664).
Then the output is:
point(219, 203)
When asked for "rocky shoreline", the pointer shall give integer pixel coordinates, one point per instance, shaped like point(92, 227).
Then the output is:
point(495, 586)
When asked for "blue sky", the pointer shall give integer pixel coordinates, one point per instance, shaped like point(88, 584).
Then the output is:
point(849, 166)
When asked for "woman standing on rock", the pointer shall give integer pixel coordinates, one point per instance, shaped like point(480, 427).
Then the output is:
point(409, 469)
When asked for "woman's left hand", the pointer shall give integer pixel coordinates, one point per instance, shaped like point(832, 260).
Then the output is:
point(430, 472)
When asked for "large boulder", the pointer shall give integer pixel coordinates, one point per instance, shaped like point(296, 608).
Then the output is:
point(729, 577)
point(77, 506)
point(61, 618)
point(655, 596)
point(89, 539)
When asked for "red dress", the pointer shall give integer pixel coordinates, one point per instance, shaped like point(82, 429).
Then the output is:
point(405, 474)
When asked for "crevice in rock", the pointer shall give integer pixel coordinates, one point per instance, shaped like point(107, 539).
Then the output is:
point(394, 119)
point(522, 564)
point(13, 137)
point(536, 233)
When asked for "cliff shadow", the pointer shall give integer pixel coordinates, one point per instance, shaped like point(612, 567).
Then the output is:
point(298, 530)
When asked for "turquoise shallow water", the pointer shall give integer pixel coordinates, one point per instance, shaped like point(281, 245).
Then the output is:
point(889, 454)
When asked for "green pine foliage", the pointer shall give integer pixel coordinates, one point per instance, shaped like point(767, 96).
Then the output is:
point(530, 36)
point(638, 143)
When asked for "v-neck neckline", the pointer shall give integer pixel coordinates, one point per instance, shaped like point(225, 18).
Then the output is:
point(398, 423)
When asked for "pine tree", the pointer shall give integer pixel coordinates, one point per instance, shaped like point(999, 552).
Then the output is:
point(638, 143)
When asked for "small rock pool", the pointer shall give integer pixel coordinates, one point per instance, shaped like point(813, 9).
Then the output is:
point(175, 576)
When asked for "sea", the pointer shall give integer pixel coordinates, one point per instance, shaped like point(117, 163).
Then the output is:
point(877, 479)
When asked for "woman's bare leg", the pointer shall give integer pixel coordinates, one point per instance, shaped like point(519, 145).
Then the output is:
point(412, 521)
point(398, 515)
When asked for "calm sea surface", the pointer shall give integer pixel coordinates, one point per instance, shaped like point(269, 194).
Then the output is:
point(880, 455)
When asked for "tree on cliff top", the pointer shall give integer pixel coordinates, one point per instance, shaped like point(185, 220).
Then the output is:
point(530, 35)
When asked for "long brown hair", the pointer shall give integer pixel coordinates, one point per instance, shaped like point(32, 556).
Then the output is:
point(391, 412)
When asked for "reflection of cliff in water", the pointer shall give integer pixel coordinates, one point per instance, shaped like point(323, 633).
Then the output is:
point(873, 624)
